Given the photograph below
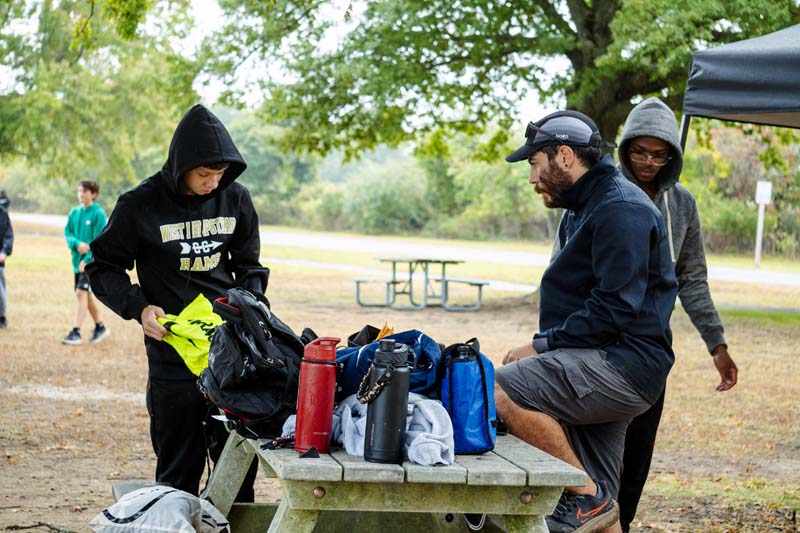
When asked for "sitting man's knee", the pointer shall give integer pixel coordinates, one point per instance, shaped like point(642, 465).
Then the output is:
point(503, 404)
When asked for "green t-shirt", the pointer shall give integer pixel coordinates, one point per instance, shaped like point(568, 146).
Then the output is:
point(84, 224)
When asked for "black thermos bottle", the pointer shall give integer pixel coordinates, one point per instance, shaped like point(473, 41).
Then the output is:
point(386, 415)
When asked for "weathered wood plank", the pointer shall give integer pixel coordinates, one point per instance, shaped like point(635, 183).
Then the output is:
point(265, 467)
point(288, 464)
point(288, 520)
point(525, 524)
point(415, 473)
point(541, 468)
point(428, 498)
point(251, 517)
point(491, 469)
point(357, 469)
point(229, 473)
point(372, 522)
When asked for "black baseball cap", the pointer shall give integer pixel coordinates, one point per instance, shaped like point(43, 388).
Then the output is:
point(570, 128)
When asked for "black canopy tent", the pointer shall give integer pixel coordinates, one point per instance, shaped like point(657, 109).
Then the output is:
point(756, 80)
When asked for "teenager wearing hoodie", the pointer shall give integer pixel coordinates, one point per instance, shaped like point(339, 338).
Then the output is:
point(189, 229)
point(650, 156)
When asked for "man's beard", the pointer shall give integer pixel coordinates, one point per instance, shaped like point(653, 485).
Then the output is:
point(553, 181)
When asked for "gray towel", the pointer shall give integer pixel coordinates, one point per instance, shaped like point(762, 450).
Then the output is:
point(429, 431)
point(350, 425)
point(429, 434)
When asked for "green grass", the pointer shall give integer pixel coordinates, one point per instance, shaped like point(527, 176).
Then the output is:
point(761, 316)
point(748, 261)
point(470, 269)
point(495, 244)
point(733, 490)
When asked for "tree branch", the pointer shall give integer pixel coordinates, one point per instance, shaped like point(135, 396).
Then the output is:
point(86, 20)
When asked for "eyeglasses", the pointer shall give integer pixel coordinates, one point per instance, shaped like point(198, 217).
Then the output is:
point(643, 157)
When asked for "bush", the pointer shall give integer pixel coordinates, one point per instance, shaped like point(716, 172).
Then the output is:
point(730, 225)
point(319, 205)
point(495, 201)
point(388, 201)
point(272, 211)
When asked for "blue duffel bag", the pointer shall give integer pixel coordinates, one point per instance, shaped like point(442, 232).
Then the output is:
point(354, 362)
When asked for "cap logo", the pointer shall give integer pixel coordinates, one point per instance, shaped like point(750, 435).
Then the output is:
point(561, 136)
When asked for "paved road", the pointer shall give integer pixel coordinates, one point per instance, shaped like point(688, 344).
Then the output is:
point(400, 247)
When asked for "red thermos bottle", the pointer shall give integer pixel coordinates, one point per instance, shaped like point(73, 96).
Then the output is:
point(315, 395)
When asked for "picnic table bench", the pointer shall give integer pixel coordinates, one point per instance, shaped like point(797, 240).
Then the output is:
point(339, 492)
point(402, 280)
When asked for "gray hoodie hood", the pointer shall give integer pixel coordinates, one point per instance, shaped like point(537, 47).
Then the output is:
point(652, 118)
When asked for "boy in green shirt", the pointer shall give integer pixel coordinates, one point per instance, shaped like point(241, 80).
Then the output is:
point(84, 223)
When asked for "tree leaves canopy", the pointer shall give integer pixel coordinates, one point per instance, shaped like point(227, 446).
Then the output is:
point(85, 101)
point(407, 68)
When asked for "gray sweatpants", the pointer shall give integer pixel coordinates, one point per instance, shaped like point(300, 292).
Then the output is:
point(589, 397)
point(3, 294)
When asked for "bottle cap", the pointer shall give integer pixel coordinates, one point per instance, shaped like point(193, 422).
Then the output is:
point(321, 349)
point(391, 353)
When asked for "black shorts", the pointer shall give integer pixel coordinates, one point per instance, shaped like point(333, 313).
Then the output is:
point(82, 282)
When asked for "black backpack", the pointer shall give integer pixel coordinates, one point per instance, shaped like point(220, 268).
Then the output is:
point(253, 366)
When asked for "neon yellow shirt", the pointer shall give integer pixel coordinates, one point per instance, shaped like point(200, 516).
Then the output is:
point(190, 332)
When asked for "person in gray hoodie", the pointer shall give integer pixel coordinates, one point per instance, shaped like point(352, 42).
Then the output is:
point(650, 156)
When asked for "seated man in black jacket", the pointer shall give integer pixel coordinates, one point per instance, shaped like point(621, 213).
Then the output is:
point(189, 229)
point(603, 350)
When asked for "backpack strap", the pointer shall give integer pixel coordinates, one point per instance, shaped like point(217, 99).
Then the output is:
point(474, 344)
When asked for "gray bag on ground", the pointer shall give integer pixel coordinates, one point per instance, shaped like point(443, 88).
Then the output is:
point(160, 508)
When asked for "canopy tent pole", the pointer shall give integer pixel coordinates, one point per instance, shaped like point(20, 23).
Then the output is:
point(685, 121)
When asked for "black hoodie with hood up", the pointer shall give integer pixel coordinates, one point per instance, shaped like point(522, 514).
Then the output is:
point(181, 245)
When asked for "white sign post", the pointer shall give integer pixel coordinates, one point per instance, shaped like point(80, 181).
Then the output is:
point(763, 197)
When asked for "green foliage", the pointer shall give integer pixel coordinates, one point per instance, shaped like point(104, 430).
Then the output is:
point(320, 205)
point(126, 15)
point(407, 68)
point(387, 201)
point(786, 202)
point(271, 173)
point(497, 202)
point(440, 187)
point(88, 105)
point(721, 169)
point(730, 225)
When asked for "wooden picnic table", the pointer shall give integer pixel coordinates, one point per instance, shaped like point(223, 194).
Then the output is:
point(428, 271)
point(339, 492)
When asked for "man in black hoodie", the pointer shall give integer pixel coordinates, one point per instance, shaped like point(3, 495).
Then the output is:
point(188, 229)
point(603, 350)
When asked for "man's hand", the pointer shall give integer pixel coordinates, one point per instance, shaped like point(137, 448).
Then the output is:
point(150, 325)
point(726, 368)
point(81, 266)
point(83, 248)
point(3, 257)
point(525, 350)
